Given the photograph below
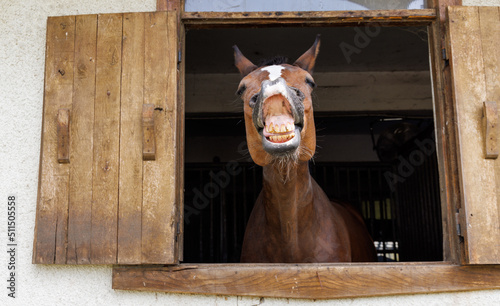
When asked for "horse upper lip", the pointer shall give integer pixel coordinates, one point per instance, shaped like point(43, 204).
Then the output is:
point(278, 87)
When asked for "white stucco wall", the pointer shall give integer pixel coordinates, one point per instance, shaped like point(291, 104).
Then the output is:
point(22, 46)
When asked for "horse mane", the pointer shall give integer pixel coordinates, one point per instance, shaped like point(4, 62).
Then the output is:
point(277, 60)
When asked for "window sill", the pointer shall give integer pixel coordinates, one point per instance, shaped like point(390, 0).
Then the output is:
point(309, 281)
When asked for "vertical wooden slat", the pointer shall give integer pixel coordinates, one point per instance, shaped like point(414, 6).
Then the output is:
point(180, 134)
point(169, 5)
point(489, 20)
point(159, 176)
point(52, 202)
point(82, 131)
point(469, 32)
point(106, 140)
point(130, 207)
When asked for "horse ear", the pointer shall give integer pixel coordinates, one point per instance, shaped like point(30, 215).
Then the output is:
point(307, 60)
point(242, 63)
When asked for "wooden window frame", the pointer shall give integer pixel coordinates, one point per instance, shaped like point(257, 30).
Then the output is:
point(342, 280)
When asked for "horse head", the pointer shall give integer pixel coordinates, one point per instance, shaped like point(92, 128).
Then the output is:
point(278, 108)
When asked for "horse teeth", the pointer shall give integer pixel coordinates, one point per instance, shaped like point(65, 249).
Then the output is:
point(283, 128)
point(289, 127)
point(276, 128)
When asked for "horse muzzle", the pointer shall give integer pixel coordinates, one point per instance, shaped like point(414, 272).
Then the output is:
point(278, 116)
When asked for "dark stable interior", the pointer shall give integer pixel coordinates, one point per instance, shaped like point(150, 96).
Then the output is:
point(375, 136)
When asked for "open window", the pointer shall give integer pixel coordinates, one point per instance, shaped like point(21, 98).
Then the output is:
point(372, 107)
point(110, 200)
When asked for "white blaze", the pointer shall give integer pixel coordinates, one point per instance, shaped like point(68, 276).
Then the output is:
point(274, 71)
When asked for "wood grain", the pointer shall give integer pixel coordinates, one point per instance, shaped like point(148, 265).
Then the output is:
point(159, 216)
point(106, 140)
point(102, 69)
point(181, 81)
point(82, 144)
point(148, 132)
point(169, 5)
point(386, 17)
point(490, 126)
point(446, 140)
point(63, 135)
point(468, 28)
point(132, 95)
point(52, 202)
point(311, 281)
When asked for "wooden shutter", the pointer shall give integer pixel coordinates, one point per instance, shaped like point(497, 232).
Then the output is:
point(106, 202)
point(473, 47)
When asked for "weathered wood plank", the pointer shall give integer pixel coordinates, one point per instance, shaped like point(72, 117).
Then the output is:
point(148, 132)
point(490, 34)
point(82, 131)
point(63, 135)
point(106, 140)
point(446, 141)
point(132, 91)
point(168, 5)
point(61, 200)
point(159, 176)
point(386, 17)
point(490, 128)
point(181, 81)
point(52, 203)
point(477, 175)
point(311, 281)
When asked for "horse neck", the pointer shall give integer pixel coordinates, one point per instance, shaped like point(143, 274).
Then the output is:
point(288, 202)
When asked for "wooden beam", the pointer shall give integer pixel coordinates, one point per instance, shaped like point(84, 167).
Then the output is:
point(312, 281)
point(385, 17)
point(446, 140)
point(359, 92)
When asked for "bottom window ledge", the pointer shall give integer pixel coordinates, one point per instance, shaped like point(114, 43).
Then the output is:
point(308, 281)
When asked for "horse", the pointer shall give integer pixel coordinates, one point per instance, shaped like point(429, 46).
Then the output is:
point(293, 221)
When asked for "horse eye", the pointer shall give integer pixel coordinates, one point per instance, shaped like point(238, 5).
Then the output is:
point(241, 90)
point(297, 92)
point(310, 83)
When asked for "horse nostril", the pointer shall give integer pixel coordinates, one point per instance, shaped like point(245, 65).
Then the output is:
point(253, 100)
